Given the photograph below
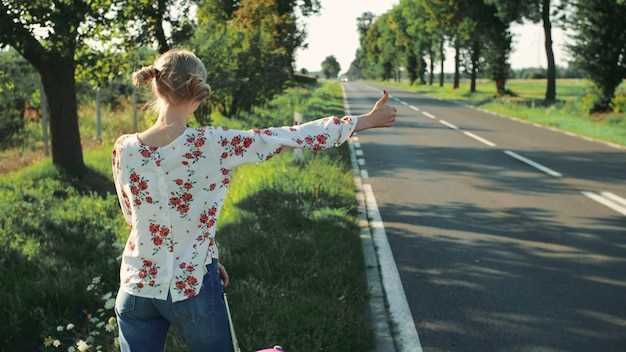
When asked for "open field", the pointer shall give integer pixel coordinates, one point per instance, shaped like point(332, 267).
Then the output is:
point(568, 114)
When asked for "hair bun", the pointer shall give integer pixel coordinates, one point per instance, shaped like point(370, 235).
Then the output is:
point(145, 74)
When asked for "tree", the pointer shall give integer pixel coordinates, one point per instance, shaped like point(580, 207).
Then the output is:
point(599, 45)
point(331, 67)
point(57, 54)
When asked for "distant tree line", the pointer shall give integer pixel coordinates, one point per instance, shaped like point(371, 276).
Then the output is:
point(414, 34)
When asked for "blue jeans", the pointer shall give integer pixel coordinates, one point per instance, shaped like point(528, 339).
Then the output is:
point(202, 320)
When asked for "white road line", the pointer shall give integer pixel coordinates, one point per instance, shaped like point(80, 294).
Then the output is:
point(533, 164)
point(361, 161)
point(357, 144)
point(428, 114)
point(614, 197)
point(448, 124)
point(414, 108)
point(407, 338)
point(480, 139)
point(403, 103)
point(364, 173)
point(359, 152)
point(598, 198)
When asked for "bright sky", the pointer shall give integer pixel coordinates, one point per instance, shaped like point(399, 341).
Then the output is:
point(334, 32)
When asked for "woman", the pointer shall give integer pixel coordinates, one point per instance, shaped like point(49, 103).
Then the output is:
point(171, 181)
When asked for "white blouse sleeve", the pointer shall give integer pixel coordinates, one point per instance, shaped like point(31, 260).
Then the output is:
point(237, 147)
point(117, 178)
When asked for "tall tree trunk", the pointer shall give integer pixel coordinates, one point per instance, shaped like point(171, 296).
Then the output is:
point(422, 70)
point(442, 59)
point(411, 67)
point(431, 77)
point(551, 74)
point(475, 57)
point(57, 76)
point(159, 33)
point(457, 60)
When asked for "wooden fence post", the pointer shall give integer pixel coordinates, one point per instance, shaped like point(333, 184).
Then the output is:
point(98, 117)
point(297, 119)
point(43, 101)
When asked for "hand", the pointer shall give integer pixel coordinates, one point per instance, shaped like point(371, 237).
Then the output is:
point(224, 275)
point(381, 115)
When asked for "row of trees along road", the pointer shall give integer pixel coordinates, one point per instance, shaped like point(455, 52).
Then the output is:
point(414, 34)
point(247, 45)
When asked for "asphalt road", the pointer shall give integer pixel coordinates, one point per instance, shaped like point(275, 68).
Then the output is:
point(495, 254)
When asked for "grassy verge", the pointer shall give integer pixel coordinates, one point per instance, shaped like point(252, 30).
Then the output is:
point(287, 235)
point(569, 113)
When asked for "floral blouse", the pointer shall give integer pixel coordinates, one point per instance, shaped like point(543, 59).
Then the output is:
point(171, 196)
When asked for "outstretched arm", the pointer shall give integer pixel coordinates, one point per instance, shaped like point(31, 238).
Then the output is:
point(236, 147)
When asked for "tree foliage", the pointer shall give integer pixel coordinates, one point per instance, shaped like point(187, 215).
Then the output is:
point(599, 45)
point(331, 67)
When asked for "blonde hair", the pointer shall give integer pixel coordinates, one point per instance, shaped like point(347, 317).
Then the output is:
point(178, 76)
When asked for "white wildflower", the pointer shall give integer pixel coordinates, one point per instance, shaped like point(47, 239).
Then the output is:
point(82, 345)
point(90, 287)
point(96, 279)
point(48, 341)
point(106, 296)
point(70, 326)
point(56, 343)
point(110, 303)
point(60, 328)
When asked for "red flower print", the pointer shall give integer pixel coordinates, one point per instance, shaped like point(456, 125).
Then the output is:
point(194, 143)
point(149, 154)
point(180, 285)
point(139, 187)
point(182, 265)
point(191, 280)
point(208, 218)
point(336, 120)
point(160, 236)
point(224, 155)
point(148, 273)
point(235, 140)
point(212, 186)
point(267, 131)
point(308, 140)
point(181, 199)
point(321, 138)
point(247, 141)
point(190, 292)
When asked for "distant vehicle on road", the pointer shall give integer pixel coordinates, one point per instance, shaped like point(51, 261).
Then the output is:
point(344, 79)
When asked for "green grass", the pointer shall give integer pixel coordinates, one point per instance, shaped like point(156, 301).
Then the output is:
point(569, 113)
point(287, 235)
